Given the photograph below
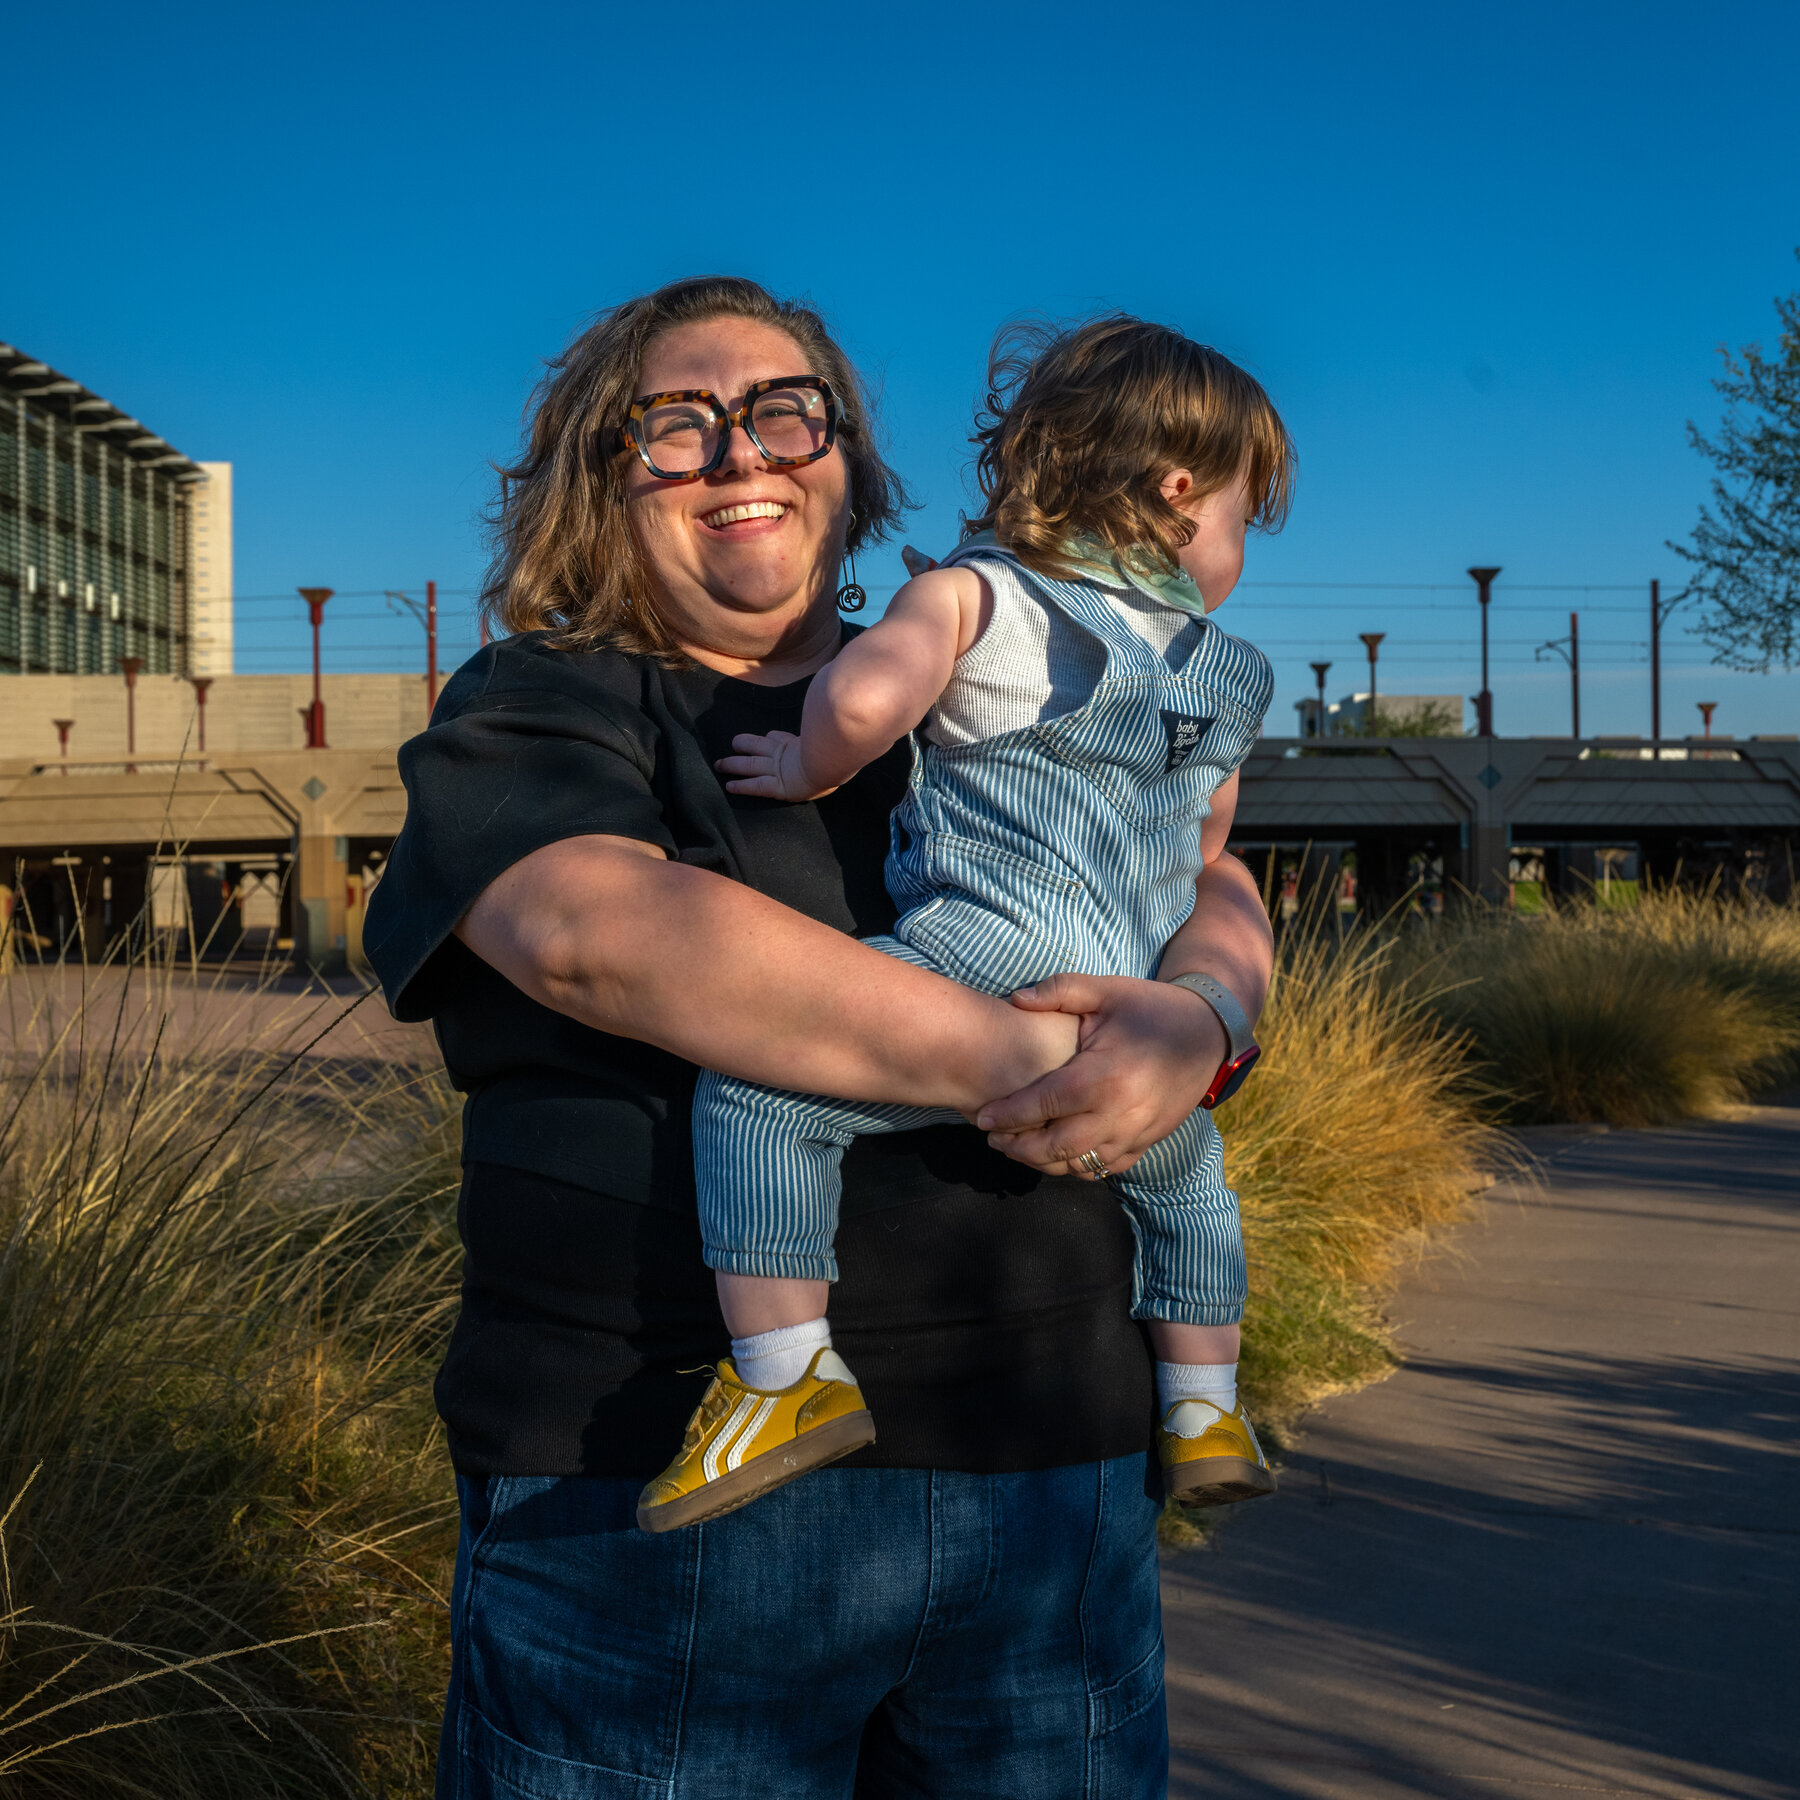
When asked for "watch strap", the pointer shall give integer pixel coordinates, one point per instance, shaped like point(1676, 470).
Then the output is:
point(1220, 998)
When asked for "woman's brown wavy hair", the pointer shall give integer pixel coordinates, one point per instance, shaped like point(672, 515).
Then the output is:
point(566, 559)
point(1081, 426)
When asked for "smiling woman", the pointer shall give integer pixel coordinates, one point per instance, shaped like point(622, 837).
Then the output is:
point(589, 918)
point(636, 411)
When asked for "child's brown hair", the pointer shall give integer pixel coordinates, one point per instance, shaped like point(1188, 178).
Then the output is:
point(1081, 426)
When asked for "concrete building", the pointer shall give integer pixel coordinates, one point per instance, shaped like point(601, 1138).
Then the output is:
point(1349, 717)
point(209, 508)
point(96, 532)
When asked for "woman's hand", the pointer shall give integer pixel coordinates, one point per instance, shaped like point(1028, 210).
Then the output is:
point(771, 767)
point(1146, 1055)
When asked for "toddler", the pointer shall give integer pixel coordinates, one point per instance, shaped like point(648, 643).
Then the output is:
point(1081, 716)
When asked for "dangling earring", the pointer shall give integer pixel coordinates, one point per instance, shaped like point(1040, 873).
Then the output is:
point(850, 597)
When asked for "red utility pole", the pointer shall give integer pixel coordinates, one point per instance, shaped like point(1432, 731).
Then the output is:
point(1484, 701)
point(63, 728)
point(427, 616)
point(201, 683)
point(315, 599)
point(1372, 639)
point(1707, 709)
point(430, 648)
point(131, 665)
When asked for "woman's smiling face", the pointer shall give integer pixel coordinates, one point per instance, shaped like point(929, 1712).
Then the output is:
point(743, 562)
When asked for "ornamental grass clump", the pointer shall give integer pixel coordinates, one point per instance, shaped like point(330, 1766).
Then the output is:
point(225, 1517)
point(1636, 1016)
point(1357, 1134)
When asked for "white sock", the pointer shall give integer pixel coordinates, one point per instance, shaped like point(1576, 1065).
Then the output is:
point(1216, 1382)
point(777, 1359)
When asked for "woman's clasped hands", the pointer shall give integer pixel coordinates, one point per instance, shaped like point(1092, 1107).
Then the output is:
point(1145, 1054)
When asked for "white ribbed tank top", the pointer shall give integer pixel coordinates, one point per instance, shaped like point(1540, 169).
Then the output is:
point(1032, 663)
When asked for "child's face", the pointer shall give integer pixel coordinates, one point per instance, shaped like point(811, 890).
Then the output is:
point(1214, 555)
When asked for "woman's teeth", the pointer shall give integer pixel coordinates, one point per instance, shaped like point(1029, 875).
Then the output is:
point(733, 515)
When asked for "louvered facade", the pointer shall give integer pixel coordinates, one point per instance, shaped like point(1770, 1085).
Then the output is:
point(95, 536)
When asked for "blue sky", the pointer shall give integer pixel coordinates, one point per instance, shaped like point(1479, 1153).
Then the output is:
point(1482, 257)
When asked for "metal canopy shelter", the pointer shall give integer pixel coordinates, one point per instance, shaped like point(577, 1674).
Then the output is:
point(1473, 798)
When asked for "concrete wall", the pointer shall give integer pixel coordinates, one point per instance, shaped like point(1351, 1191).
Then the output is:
point(243, 713)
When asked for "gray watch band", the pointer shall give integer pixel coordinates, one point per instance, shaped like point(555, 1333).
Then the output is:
point(1224, 1003)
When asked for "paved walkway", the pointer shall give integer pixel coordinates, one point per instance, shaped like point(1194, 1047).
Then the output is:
point(214, 1010)
point(1557, 1554)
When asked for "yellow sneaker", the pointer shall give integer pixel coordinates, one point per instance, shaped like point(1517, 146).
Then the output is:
point(743, 1441)
point(1211, 1457)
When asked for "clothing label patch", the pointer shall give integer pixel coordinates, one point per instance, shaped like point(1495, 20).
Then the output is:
point(1184, 737)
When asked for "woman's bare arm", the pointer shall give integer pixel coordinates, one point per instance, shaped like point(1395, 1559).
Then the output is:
point(610, 932)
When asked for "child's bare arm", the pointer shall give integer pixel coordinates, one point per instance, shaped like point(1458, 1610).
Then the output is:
point(871, 694)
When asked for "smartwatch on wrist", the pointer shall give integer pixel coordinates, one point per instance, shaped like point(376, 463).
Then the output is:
point(1243, 1049)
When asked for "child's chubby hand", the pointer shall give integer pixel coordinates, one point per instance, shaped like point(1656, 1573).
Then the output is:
point(769, 767)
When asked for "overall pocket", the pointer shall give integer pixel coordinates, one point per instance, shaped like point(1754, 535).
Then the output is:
point(1154, 748)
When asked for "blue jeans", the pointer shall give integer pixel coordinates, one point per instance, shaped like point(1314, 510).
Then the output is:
point(863, 1634)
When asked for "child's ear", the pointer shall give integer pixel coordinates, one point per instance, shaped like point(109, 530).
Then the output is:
point(1177, 485)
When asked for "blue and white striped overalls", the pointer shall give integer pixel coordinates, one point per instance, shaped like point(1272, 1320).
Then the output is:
point(1071, 845)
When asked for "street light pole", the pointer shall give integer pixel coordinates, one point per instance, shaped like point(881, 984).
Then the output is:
point(131, 665)
point(1569, 649)
point(1484, 701)
point(1320, 671)
point(1575, 672)
point(1372, 639)
point(1656, 666)
point(1707, 709)
point(315, 598)
point(1658, 612)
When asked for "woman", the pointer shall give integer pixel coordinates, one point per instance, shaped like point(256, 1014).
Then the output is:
point(970, 1604)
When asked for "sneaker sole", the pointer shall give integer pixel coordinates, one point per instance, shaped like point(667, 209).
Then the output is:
point(1217, 1481)
point(762, 1474)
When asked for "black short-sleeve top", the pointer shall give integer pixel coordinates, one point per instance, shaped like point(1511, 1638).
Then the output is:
point(985, 1309)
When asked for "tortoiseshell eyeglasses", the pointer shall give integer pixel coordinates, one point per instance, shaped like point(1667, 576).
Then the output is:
point(682, 435)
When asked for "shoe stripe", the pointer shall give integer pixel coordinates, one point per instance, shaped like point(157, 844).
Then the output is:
point(709, 1463)
point(747, 1436)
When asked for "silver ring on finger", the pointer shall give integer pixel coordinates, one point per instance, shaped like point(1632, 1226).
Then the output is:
point(1090, 1160)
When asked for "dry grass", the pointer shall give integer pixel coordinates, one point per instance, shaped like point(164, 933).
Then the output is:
point(1356, 1136)
point(224, 1276)
point(1628, 1016)
point(224, 1282)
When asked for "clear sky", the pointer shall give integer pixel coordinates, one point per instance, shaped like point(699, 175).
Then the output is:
point(1481, 256)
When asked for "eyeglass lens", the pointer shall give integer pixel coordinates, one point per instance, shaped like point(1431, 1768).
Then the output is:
point(790, 424)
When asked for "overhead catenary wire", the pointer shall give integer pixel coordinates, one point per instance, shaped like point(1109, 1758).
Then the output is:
point(1285, 618)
